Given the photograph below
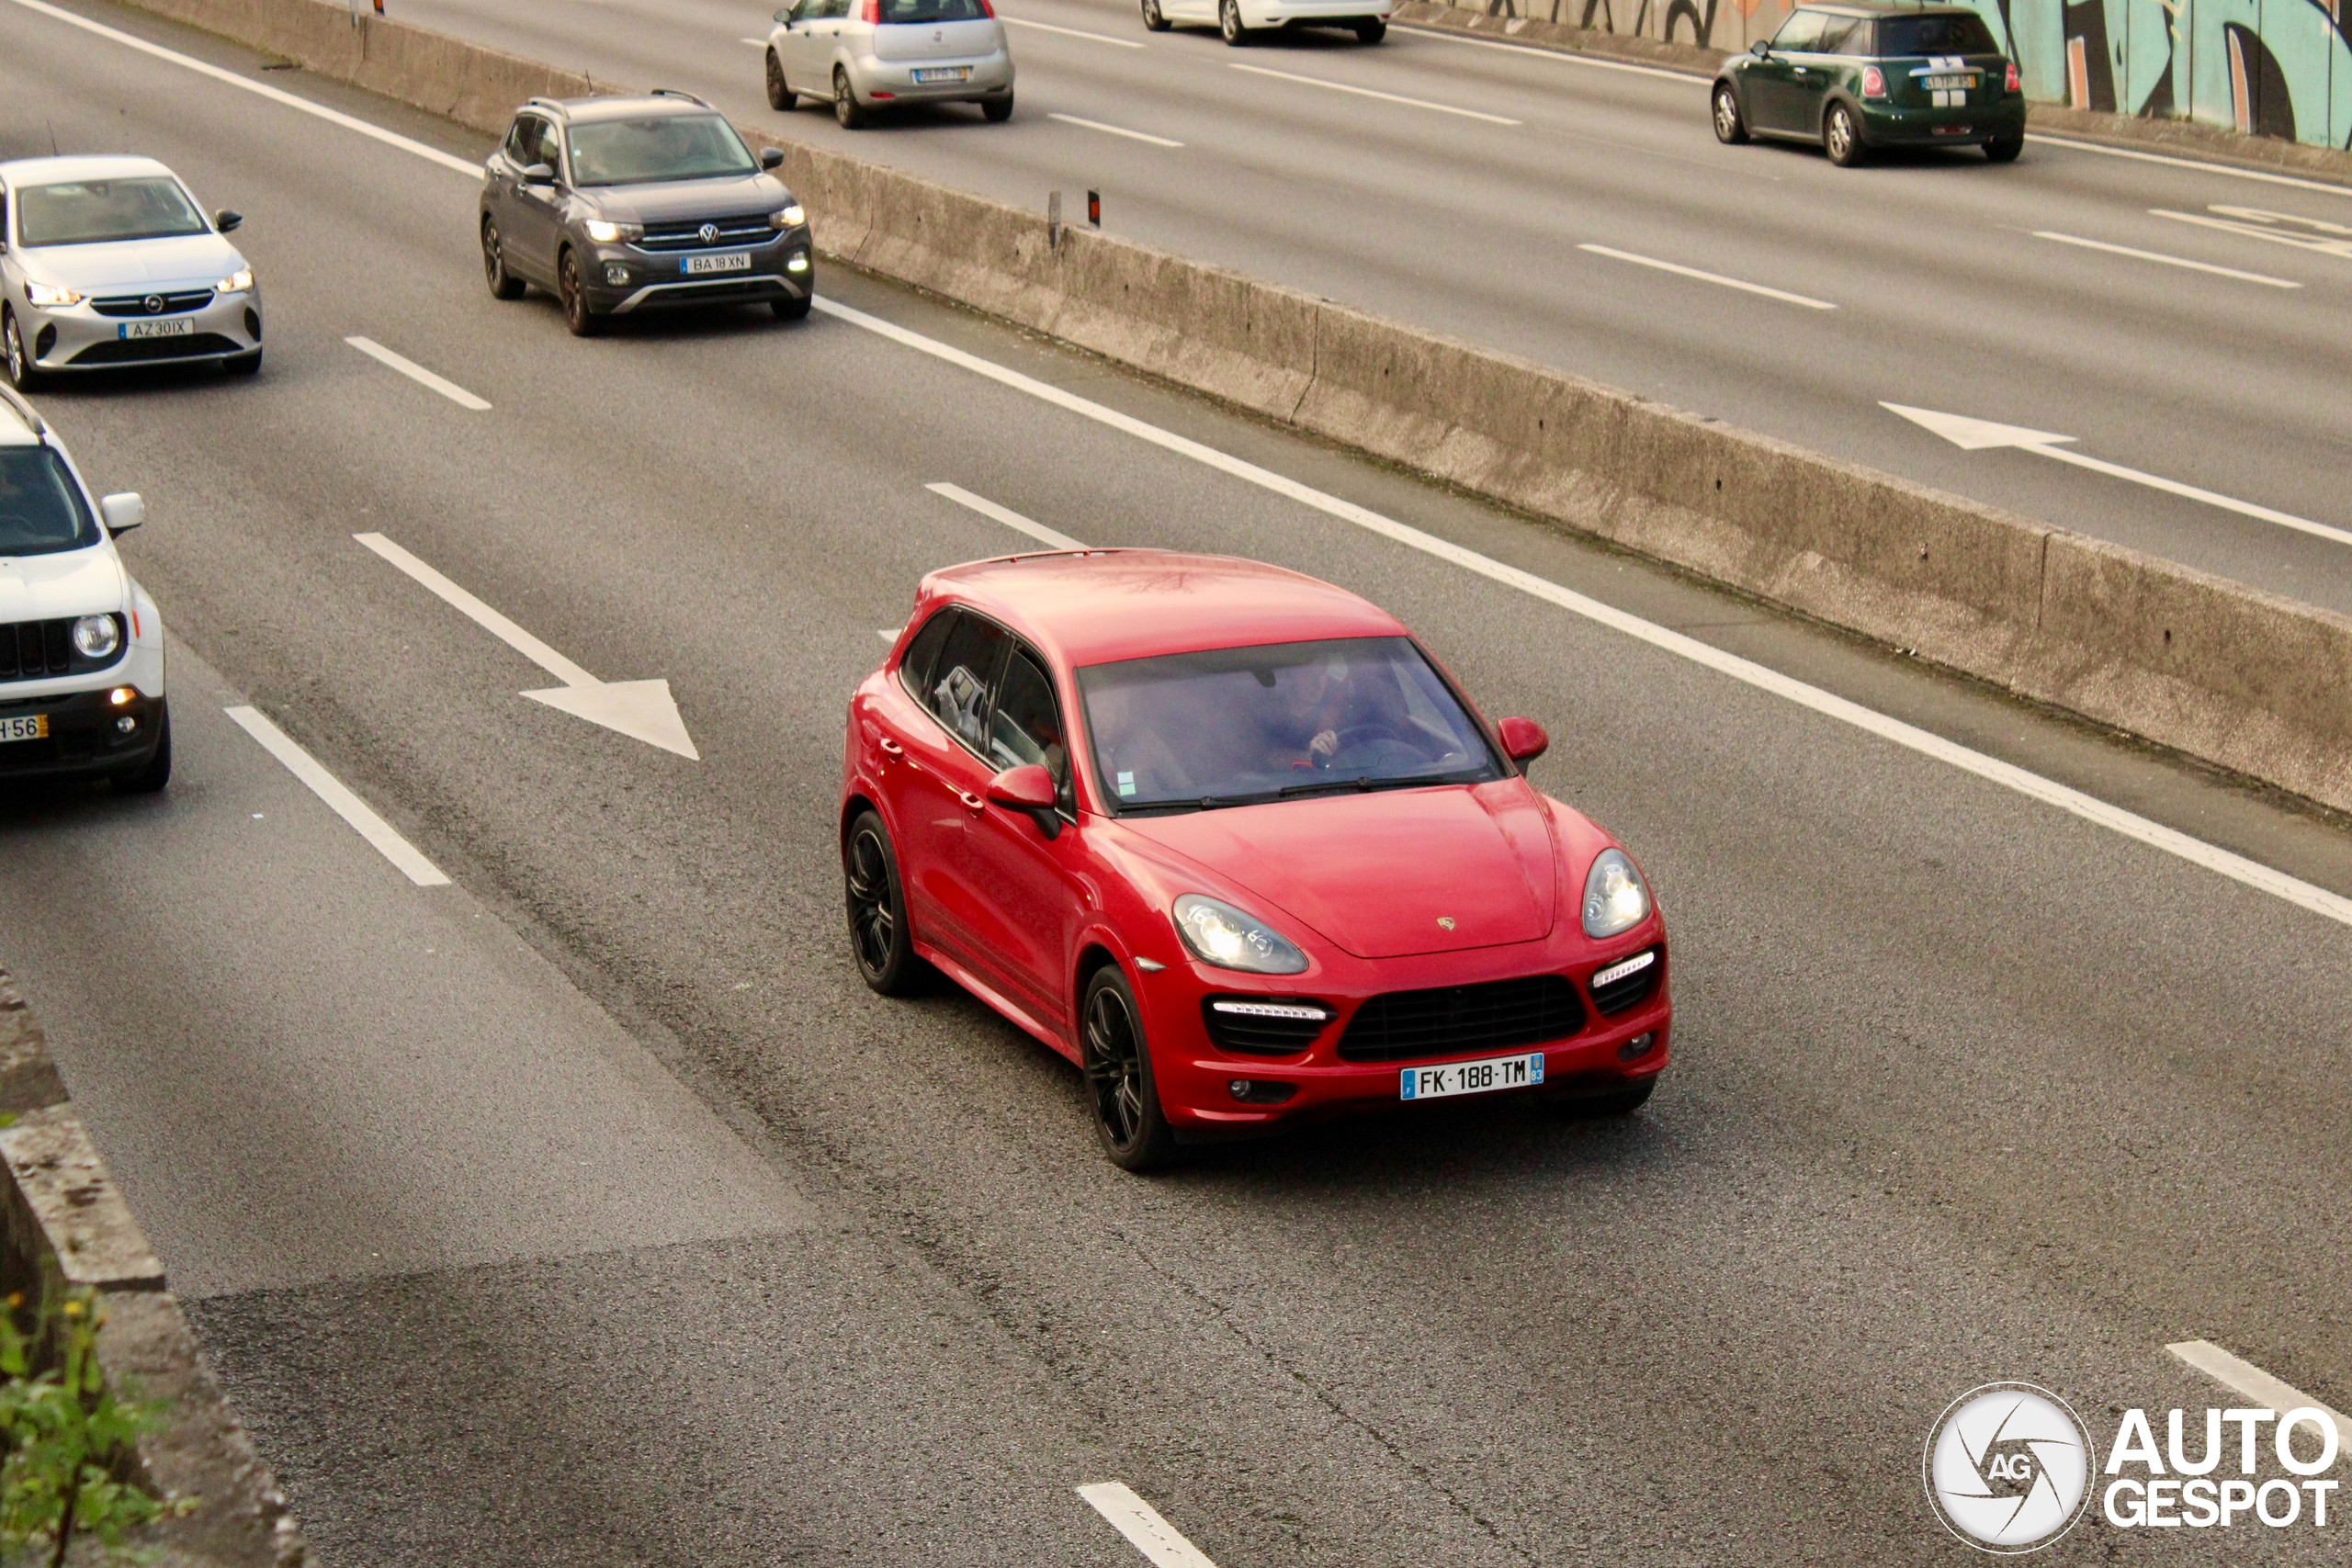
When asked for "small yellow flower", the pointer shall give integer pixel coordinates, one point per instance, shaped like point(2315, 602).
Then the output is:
point(72, 1309)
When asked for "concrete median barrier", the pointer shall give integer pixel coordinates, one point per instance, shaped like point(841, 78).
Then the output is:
point(2247, 681)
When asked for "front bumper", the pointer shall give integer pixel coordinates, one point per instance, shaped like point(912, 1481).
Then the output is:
point(85, 734)
point(77, 338)
point(877, 80)
point(650, 280)
point(1966, 125)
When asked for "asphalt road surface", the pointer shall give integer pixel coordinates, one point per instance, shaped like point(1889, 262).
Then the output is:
point(1959, 286)
point(587, 1210)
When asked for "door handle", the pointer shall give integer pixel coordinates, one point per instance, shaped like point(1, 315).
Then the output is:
point(971, 801)
point(889, 747)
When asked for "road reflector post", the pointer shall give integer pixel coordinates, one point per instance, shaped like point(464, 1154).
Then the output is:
point(1094, 207)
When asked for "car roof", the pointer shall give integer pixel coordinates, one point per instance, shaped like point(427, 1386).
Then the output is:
point(15, 430)
point(1098, 606)
point(53, 170)
point(1858, 9)
point(632, 105)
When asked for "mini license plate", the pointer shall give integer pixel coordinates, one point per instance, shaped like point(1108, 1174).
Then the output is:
point(1963, 79)
point(177, 326)
point(1471, 1078)
point(945, 73)
point(733, 261)
point(29, 727)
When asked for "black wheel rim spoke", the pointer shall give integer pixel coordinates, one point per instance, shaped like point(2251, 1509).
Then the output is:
point(1114, 1067)
point(873, 925)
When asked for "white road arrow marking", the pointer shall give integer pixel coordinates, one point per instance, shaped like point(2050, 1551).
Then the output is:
point(1983, 434)
point(642, 710)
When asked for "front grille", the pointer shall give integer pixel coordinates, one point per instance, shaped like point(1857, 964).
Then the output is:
point(1624, 987)
point(1264, 1026)
point(1453, 1020)
point(130, 350)
point(749, 229)
point(136, 304)
point(40, 650)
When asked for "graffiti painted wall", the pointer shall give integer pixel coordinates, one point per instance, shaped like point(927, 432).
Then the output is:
point(2268, 67)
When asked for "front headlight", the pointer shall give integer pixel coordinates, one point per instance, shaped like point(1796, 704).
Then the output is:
point(1220, 934)
point(46, 295)
point(1616, 899)
point(97, 637)
point(790, 218)
point(236, 282)
point(604, 233)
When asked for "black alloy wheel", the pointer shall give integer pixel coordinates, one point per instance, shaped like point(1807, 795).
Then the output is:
point(2005, 149)
point(1841, 137)
point(154, 773)
point(1154, 21)
point(1118, 1075)
point(847, 111)
point(22, 374)
point(1228, 22)
point(1371, 29)
point(583, 321)
point(504, 285)
point(878, 938)
point(779, 96)
point(1730, 129)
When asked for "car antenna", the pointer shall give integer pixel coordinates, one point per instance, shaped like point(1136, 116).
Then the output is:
point(53, 134)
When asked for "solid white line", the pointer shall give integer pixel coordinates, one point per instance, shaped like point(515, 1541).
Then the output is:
point(2255, 231)
point(417, 373)
point(2090, 809)
point(1066, 32)
point(1565, 57)
point(2246, 1378)
point(1005, 515)
point(341, 801)
point(276, 95)
point(1143, 1527)
point(481, 615)
point(2234, 173)
point(2168, 261)
point(1779, 294)
point(1113, 129)
point(1384, 97)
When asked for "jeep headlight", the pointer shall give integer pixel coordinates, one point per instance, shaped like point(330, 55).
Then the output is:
point(49, 295)
point(1615, 897)
point(789, 217)
point(97, 637)
point(604, 233)
point(236, 282)
point(1220, 934)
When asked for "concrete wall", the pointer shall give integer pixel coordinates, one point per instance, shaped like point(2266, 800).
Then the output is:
point(2245, 680)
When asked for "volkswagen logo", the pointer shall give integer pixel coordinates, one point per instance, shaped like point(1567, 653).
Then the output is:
point(2009, 1468)
point(709, 233)
point(155, 303)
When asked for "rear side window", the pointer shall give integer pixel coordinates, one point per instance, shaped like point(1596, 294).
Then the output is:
point(1800, 32)
point(1951, 33)
point(957, 686)
point(923, 652)
point(910, 11)
point(1845, 35)
point(41, 510)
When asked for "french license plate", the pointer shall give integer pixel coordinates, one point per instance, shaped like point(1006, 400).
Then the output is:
point(945, 73)
point(177, 326)
point(1472, 1077)
point(29, 727)
point(733, 261)
point(1963, 79)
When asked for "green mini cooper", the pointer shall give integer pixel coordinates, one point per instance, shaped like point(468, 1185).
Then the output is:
point(1857, 77)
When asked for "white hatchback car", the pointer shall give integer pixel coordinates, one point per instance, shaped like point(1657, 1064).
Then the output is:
point(1239, 20)
point(106, 262)
point(81, 643)
point(861, 56)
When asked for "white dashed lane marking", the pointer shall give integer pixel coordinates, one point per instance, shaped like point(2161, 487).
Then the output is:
point(1715, 277)
point(340, 800)
point(1141, 1524)
point(2246, 1378)
point(1006, 516)
point(418, 373)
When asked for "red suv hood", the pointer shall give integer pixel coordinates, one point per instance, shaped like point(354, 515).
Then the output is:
point(1376, 873)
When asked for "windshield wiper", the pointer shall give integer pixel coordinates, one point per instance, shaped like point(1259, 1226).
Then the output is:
point(1197, 803)
point(1368, 784)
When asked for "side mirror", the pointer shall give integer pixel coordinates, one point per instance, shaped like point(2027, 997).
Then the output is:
point(771, 157)
point(1523, 740)
point(1028, 789)
point(1760, 48)
point(539, 174)
point(783, 18)
point(226, 220)
point(122, 512)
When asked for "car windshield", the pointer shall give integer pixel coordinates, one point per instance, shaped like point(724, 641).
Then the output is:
point(40, 506)
point(909, 11)
point(84, 212)
point(1240, 724)
point(1952, 33)
point(665, 147)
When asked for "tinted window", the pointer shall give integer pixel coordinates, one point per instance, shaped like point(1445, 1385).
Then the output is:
point(914, 668)
point(1845, 35)
point(1800, 32)
point(959, 684)
point(1027, 725)
point(1956, 33)
point(665, 147)
point(40, 506)
point(521, 140)
point(83, 212)
point(1251, 724)
point(931, 11)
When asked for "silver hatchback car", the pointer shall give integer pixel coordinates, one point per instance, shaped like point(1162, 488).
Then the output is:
point(861, 56)
point(106, 262)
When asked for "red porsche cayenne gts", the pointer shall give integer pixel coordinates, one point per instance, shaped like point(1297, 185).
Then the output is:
point(1230, 839)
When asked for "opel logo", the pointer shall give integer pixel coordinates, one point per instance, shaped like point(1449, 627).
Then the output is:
point(709, 233)
point(155, 303)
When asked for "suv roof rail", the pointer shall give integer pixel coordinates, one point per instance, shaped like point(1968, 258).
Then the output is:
point(543, 104)
point(679, 93)
point(25, 410)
